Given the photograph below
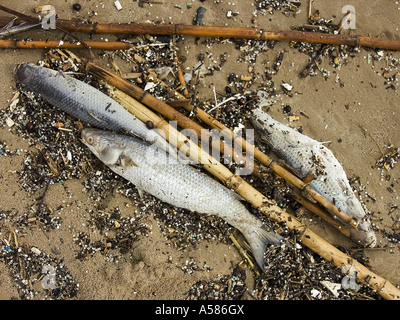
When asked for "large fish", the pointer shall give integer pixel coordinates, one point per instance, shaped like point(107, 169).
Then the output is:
point(167, 179)
point(82, 101)
point(310, 156)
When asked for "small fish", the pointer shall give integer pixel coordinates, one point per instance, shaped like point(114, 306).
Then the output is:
point(309, 156)
point(10, 29)
point(155, 172)
point(83, 101)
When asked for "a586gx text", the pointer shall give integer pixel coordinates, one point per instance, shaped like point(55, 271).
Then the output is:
point(209, 309)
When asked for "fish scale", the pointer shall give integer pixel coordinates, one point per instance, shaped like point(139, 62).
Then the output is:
point(178, 184)
point(309, 156)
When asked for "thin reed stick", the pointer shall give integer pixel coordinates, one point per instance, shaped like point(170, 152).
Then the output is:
point(49, 44)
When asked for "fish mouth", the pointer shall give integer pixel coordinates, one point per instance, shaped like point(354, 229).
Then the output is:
point(364, 236)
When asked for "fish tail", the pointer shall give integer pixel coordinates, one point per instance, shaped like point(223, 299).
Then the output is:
point(258, 240)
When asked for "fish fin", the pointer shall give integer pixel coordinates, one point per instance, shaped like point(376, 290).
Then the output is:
point(259, 240)
point(97, 117)
point(233, 194)
point(126, 161)
point(342, 185)
point(9, 25)
point(141, 193)
point(109, 155)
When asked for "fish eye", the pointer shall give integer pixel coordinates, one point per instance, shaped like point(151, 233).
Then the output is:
point(90, 140)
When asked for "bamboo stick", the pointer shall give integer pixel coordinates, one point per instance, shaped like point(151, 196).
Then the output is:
point(318, 211)
point(229, 32)
point(213, 31)
point(386, 289)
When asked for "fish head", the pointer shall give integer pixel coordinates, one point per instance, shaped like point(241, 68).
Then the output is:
point(25, 73)
point(364, 235)
point(103, 145)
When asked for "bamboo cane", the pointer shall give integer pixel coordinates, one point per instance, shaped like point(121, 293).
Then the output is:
point(212, 31)
point(230, 32)
point(185, 122)
point(386, 289)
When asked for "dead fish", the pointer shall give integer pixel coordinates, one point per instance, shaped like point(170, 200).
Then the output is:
point(10, 29)
point(309, 156)
point(83, 101)
point(178, 184)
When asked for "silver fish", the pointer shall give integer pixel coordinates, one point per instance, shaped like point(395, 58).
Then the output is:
point(83, 101)
point(310, 156)
point(167, 179)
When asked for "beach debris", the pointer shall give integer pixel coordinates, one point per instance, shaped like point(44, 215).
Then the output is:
point(242, 32)
point(332, 287)
point(346, 21)
point(227, 287)
point(296, 273)
point(10, 122)
point(230, 13)
point(118, 5)
point(29, 268)
point(288, 87)
point(51, 163)
point(287, 7)
point(315, 293)
point(232, 112)
point(76, 7)
point(118, 234)
point(278, 61)
point(198, 19)
point(389, 159)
